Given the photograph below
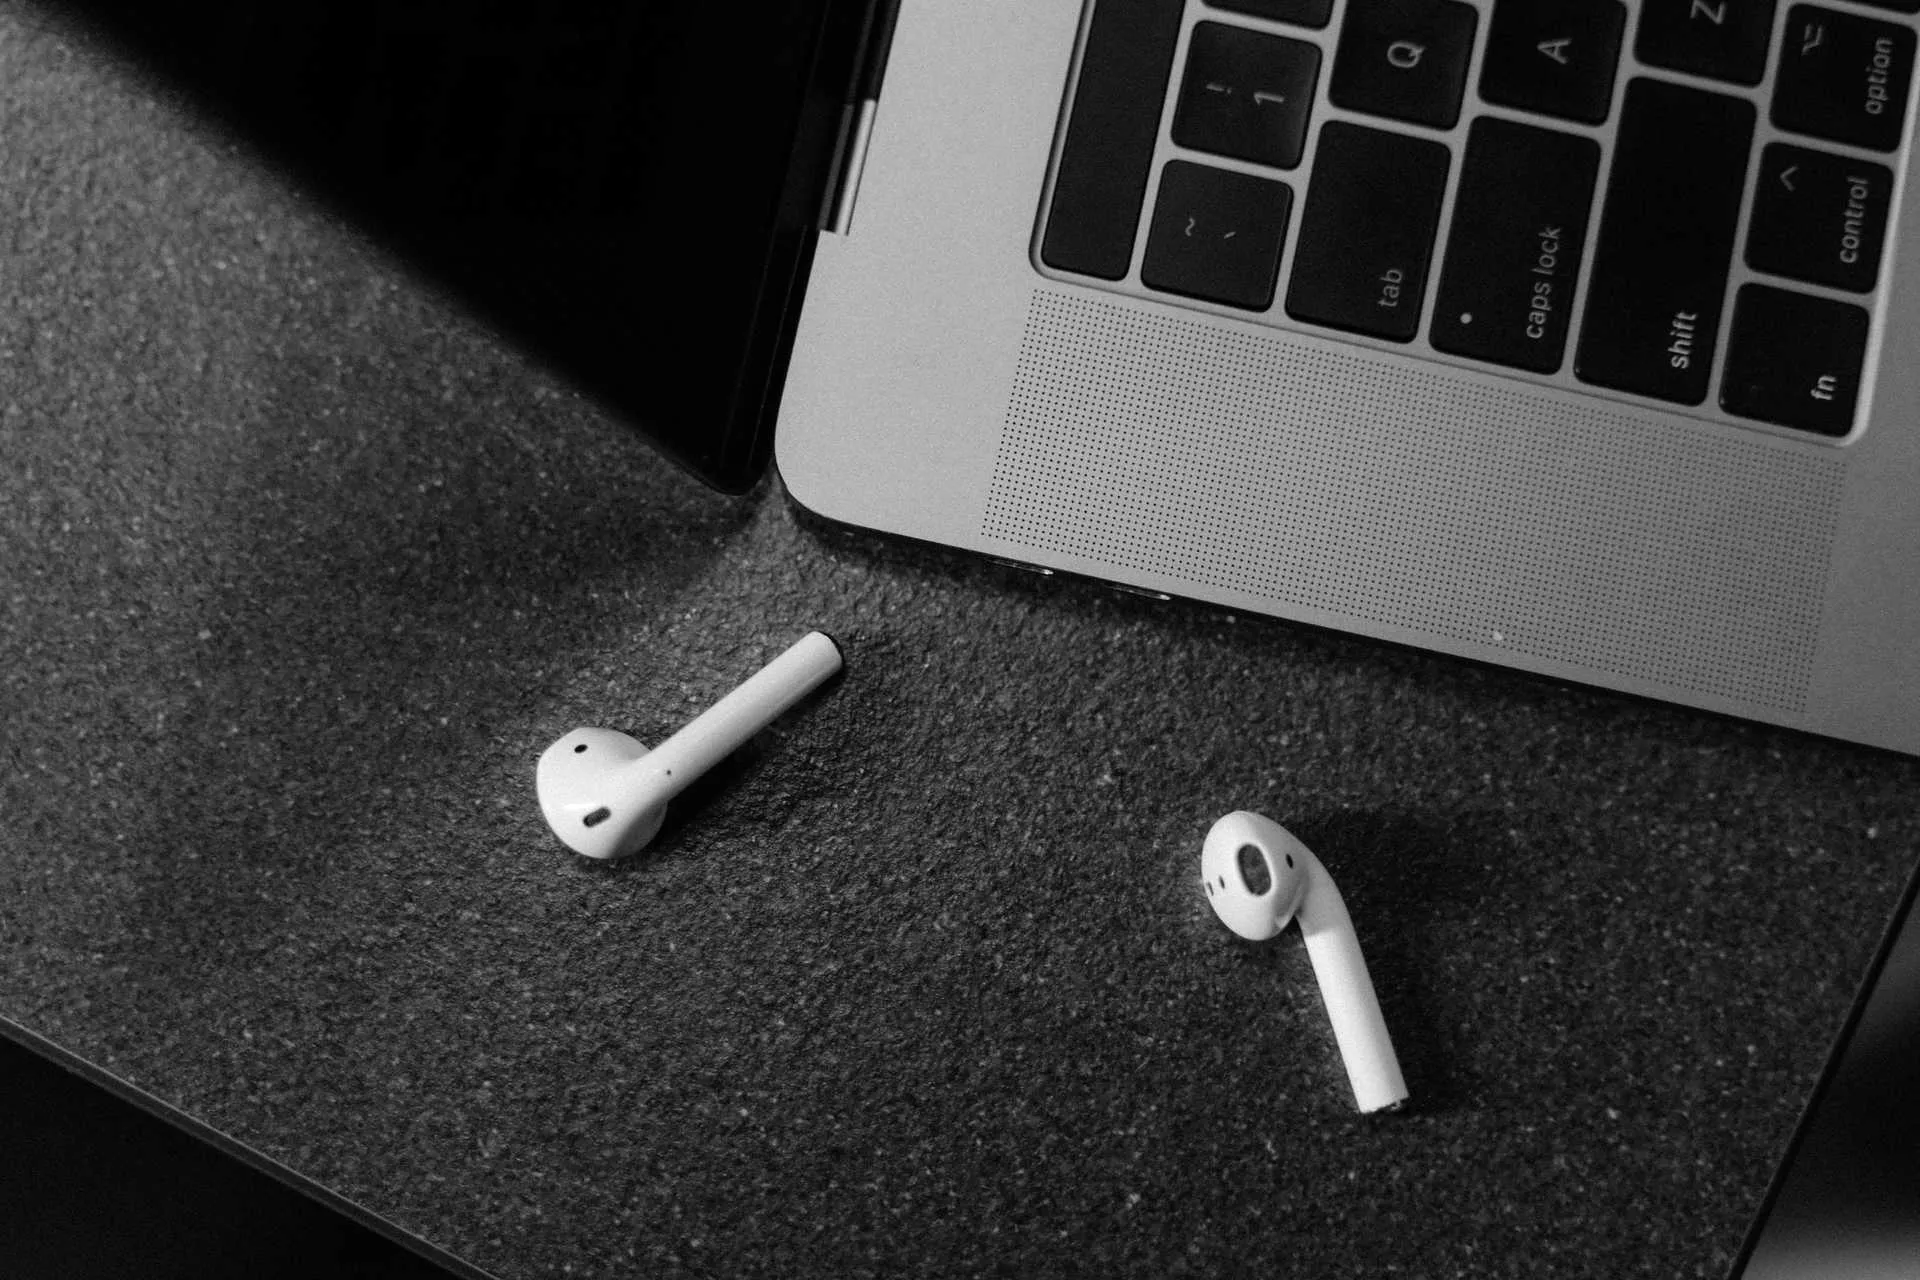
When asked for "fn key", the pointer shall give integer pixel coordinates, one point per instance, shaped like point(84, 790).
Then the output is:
point(1794, 359)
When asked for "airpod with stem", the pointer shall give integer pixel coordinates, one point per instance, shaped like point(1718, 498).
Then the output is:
point(1258, 877)
point(605, 794)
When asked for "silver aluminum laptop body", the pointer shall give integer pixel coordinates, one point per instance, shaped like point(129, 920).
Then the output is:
point(948, 385)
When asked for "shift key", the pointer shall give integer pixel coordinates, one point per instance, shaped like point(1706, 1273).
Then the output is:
point(1519, 224)
point(1659, 278)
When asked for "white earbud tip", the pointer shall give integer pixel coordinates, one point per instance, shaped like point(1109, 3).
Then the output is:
point(1251, 871)
point(580, 801)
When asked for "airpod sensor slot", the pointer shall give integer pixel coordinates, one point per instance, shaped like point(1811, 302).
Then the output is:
point(1253, 869)
point(598, 816)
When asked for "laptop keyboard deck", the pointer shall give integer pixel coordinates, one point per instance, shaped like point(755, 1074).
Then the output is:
point(1681, 202)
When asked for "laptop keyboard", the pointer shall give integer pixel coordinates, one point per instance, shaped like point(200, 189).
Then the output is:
point(1682, 202)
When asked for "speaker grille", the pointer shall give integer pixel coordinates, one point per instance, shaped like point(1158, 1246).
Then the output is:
point(1327, 480)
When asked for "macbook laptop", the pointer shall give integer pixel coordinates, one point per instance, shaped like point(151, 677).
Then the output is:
point(1571, 335)
point(1577, 336)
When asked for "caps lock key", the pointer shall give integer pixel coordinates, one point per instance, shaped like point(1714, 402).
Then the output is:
point(1519, 224)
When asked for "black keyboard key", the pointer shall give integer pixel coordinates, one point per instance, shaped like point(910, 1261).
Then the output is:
point(1519, 223)
point(1843, 78)
point(1819, 217)
point(1246, 94)
point(1366, 234)
point(1555, 57)
point(1404, 59)
point(1723, 39)
point(1300, 13)
point(1660, 264)
point(1100, 183)
point(1216, 234)
point(1794, 360)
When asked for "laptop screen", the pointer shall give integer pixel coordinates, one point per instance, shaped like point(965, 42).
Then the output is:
point(628, 190)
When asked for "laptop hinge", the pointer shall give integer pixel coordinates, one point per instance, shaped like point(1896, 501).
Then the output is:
point(856, 118)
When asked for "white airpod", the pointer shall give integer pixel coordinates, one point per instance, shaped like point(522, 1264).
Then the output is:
point(605, 795)
point(1258, 876)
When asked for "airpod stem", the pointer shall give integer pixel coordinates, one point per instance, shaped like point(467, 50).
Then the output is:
point(1346, 988)
point(724, 727)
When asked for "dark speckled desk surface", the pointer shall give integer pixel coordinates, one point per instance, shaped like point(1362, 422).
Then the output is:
point(300, 567)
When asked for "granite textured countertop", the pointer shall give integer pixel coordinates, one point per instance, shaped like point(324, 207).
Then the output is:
point(301, 567)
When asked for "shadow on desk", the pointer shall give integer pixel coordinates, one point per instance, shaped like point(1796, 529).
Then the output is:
point(559, 168)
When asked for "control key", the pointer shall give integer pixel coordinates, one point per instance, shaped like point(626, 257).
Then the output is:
point(1819, 217)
